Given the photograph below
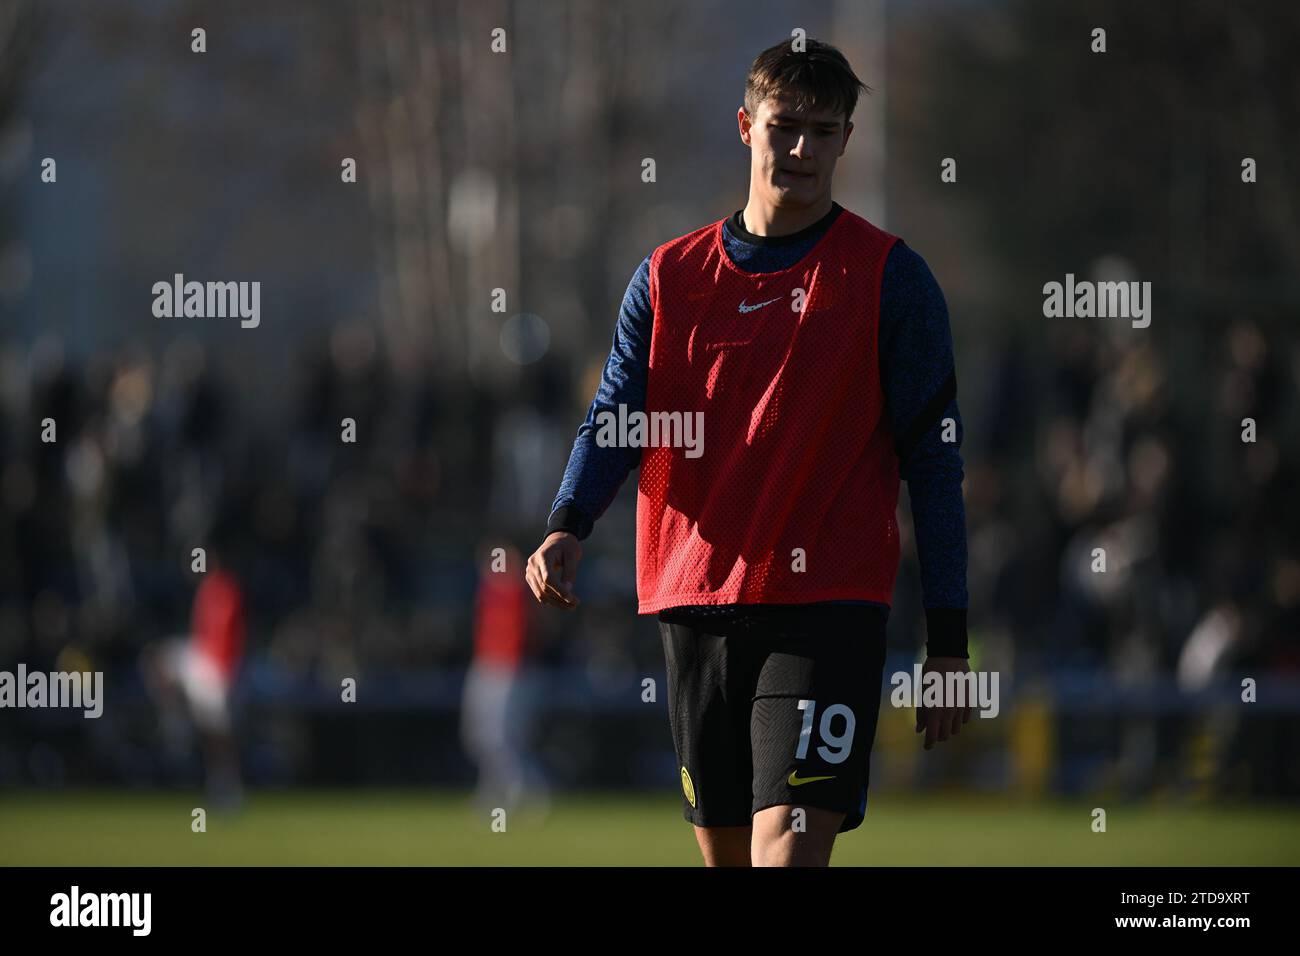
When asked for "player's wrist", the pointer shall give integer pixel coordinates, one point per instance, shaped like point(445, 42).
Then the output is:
point(945, 629)
point(571, 520)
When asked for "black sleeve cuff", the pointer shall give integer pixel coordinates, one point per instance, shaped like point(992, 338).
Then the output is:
point(945, 629)
point(569, 518)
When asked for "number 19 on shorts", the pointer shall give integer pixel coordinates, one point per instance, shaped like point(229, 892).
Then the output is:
point(835, 746)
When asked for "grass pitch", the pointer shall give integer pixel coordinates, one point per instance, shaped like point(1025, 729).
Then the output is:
point(296, 828)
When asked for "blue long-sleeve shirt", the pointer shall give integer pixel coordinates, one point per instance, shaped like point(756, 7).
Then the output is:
point(917, 375)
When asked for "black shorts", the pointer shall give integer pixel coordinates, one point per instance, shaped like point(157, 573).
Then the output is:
point(778, 710)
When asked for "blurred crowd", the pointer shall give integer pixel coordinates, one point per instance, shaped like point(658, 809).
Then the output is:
point(351, 553)
point(1120, 529)
point(367, 553)
point(1125, 514)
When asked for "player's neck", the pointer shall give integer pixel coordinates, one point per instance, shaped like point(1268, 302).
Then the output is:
point(764, 219)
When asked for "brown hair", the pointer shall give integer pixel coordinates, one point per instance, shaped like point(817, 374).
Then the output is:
point(820, 77)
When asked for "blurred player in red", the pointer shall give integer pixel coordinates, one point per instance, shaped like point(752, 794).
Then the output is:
point(502, 688)
point(196, 673)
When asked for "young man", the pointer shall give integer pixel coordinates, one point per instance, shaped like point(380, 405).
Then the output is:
point(818, 351)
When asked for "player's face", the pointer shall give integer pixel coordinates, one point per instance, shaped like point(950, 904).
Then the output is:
point(794, 153)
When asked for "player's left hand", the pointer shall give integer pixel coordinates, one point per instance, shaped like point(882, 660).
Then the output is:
point(939, 722)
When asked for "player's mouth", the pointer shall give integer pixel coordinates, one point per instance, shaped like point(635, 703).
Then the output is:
point(793, 176)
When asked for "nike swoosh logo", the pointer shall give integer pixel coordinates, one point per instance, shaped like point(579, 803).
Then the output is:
point(751, 308)
point(796, 781)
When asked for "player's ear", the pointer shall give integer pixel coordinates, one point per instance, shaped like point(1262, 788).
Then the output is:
point(744, 122)
point(848, 131)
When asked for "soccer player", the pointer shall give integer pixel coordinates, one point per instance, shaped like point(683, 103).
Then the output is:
point(817, 348)
point(500, 702)
point(203, 666)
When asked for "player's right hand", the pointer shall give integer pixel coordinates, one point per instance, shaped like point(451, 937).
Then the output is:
point(941, 722)
point(551, 570)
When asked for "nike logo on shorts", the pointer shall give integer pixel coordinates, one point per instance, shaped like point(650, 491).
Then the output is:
point(795, 780)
